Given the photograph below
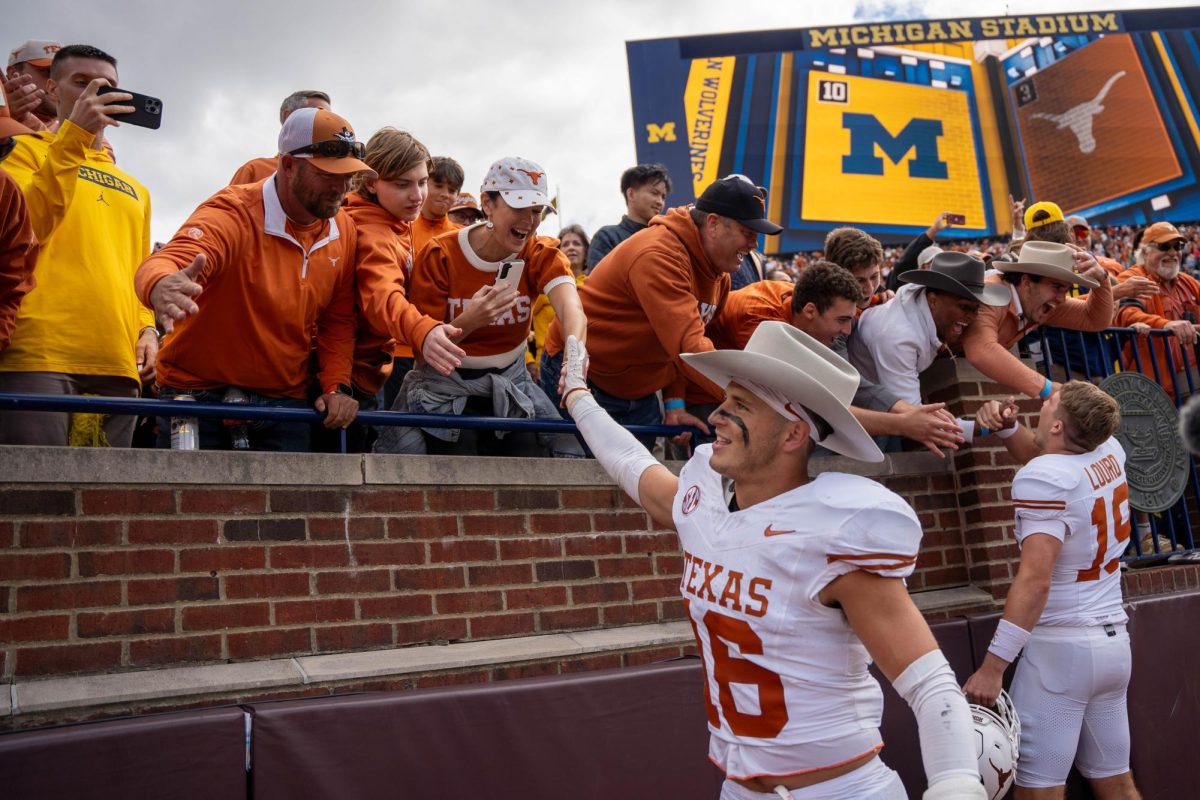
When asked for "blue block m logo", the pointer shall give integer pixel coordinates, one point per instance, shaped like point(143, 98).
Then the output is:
point(920, 135)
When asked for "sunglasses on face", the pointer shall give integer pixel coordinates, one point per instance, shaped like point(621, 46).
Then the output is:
point(1167, 247)
point(332, 148)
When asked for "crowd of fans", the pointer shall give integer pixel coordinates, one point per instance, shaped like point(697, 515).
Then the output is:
point(345, 274)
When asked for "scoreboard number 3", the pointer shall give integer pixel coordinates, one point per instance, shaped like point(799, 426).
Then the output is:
point(1026, 93)
point(833, 91)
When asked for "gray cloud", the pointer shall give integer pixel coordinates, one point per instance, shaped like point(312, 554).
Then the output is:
point(473, 79)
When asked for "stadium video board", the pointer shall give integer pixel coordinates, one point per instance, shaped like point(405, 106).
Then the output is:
point(885, 125)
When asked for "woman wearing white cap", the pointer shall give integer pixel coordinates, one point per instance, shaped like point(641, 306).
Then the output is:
point(492, 380)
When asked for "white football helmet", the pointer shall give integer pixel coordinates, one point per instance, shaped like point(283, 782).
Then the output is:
point(997, 744)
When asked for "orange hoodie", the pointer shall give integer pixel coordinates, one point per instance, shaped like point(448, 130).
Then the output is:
point(384, 314)
point(266, 296)
point(425, 229)
point(255, 170)
point(18, 255)
point(743, 311)
point(645, 304)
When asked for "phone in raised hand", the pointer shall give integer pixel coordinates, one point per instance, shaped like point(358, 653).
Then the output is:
point(508, 275)
point(147, 110)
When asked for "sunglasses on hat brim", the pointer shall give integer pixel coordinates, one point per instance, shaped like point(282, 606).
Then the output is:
point(332, 148)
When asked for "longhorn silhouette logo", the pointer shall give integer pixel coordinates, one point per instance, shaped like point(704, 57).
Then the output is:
point(536, 177)
point(1079, 118)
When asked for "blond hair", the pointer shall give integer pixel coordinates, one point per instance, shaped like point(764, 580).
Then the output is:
point(1088, 413)
point(391, 153)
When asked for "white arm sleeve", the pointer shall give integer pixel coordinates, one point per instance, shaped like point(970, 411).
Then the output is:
point(944, 721)
point(622, 456)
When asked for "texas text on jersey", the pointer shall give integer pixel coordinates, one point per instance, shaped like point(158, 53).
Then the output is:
point(786, 683)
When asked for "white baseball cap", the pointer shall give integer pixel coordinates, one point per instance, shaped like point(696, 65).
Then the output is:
point(35, 51)
point(521, 183)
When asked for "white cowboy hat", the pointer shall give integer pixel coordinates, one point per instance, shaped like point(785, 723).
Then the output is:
point(806, 372)
point(1048, 259)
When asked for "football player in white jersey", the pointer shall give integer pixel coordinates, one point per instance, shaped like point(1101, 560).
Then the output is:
point(1065, 608)
point(794, 593)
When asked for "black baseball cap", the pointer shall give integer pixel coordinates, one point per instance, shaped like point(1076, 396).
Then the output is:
point(737, 197)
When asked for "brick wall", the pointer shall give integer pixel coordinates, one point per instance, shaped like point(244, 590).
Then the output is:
point(95, 579)
point(101, 577)
point(123, 560)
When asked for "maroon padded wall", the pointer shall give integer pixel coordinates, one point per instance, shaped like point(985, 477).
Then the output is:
point(190, 755)
point(1164, 695)
point(628, 733)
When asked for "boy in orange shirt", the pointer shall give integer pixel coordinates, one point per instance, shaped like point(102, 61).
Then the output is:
point(383, 207)
point(445, 182)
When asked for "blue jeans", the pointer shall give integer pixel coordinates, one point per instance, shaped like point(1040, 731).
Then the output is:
point(272, 435)
point(639, 411)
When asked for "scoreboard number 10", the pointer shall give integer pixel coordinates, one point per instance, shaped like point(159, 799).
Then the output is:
point(833, 91)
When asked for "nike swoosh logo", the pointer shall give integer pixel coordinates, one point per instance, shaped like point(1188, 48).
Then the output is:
point(769, 531)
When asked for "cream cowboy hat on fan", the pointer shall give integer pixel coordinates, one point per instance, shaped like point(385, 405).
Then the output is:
point(806, 372)
point(1048, 259)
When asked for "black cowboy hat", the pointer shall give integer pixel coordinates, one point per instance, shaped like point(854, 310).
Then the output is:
point(959, 274)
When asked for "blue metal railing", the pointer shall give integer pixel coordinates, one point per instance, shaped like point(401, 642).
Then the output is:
point(145, 407)
point(1095, 356)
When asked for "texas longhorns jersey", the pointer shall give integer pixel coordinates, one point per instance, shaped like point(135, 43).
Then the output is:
point(786, 683)
point(1083, 501)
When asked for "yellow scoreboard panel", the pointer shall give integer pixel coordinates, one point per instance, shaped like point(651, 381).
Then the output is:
point(889, 153)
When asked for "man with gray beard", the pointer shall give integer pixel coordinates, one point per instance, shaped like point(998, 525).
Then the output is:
point(1175, 308)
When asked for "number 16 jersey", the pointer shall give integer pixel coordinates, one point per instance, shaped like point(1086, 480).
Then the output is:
point(786, 683)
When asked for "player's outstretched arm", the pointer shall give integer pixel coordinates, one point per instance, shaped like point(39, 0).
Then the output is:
point(898, 638)
point(1000, 419)
point(1022, 609)
point(649, 483)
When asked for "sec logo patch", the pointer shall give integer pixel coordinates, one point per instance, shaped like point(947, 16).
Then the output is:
point(691, 499)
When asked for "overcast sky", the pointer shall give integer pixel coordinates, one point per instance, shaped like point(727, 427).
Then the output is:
point(472, 79)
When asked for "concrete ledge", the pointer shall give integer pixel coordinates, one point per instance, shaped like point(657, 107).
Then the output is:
point(83, 465)
point(87, 465)
point(96, 690)
point(893, 465)
point(959, 597)
point(485, 471)
point(89, 691)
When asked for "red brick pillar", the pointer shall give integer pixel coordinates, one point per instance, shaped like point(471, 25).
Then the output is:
point(983, 474)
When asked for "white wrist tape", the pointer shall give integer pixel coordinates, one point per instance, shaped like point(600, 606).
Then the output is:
point(960, 787)
point(1008, 640)
point(929, 687)
point(622, 456)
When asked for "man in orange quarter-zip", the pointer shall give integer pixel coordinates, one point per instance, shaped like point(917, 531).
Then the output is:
point(256, 274)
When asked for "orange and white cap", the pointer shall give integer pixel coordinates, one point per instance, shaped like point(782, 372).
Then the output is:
point(1162, 232)
point(463, 201)
point(520, 182)
point(8, 125)
point(35, 51)
point(324, 138)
